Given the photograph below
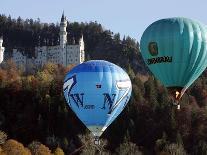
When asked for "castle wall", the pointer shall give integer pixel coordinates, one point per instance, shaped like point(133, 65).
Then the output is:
point(19, 58)
point(73, 56)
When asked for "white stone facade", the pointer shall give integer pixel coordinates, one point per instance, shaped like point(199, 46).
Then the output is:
point(63, 53)
point(1, 50)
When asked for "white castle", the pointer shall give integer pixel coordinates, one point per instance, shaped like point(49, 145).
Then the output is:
point(63, 53)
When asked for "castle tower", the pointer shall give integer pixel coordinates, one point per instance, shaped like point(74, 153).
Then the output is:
point(81, 42)
point(63, 39)
point(82, 53)
point(1, 50)
point(63, 32)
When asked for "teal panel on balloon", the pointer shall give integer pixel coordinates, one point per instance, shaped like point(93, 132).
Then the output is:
point(175, 50)
point(97, 91)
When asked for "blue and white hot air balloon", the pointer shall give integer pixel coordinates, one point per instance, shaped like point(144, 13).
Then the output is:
point(97, 91)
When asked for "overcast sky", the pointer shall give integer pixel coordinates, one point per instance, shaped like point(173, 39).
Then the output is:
point(128, 17)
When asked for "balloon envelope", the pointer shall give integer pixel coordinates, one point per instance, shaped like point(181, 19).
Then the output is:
point(175, 50)
point(97, 91)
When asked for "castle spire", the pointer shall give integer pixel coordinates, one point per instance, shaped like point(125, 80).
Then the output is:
point(63, 18)
point(81, 39)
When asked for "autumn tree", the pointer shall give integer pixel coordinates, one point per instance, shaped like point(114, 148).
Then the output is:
point(12, 147)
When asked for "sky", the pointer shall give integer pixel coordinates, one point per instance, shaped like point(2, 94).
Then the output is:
point(128, 17)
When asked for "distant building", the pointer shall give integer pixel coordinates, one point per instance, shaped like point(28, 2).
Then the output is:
point(63, 53)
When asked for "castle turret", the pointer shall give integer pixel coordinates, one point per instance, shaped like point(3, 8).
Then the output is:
point(82, 53)
point(81, 42)
point(1, 50)
point(63, 32)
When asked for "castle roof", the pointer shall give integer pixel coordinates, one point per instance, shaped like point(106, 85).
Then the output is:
point(63, 18)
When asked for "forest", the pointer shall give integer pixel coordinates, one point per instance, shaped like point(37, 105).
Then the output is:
point(35, 119)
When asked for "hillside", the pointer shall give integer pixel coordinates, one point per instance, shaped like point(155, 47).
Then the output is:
point(99, 43)
point(34, 117)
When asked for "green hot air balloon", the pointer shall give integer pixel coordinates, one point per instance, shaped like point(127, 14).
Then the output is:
point(175, 50)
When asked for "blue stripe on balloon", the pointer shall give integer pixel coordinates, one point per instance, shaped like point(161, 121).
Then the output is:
point(96, 66)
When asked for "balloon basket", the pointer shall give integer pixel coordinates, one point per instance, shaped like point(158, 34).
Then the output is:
point(175, 94)
point(176, 104)
point(97, 141)
point(178, 107)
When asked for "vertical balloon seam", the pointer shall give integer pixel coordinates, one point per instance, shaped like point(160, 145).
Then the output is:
point(167, 76)
point(181, 42)
point(194, 66)
point(190, 43)
point(173, 69)
point(197, 43)
point(178, 43)
point(151, 35)
point(115, 113)
point(200, 70)
point(109, 119)
point(161, 73)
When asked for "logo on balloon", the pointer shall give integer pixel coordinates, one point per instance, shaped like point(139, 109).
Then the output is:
point(68, 85)
point(153, 48)
point(121, 85)
point(164, 59)
point(109, 101)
